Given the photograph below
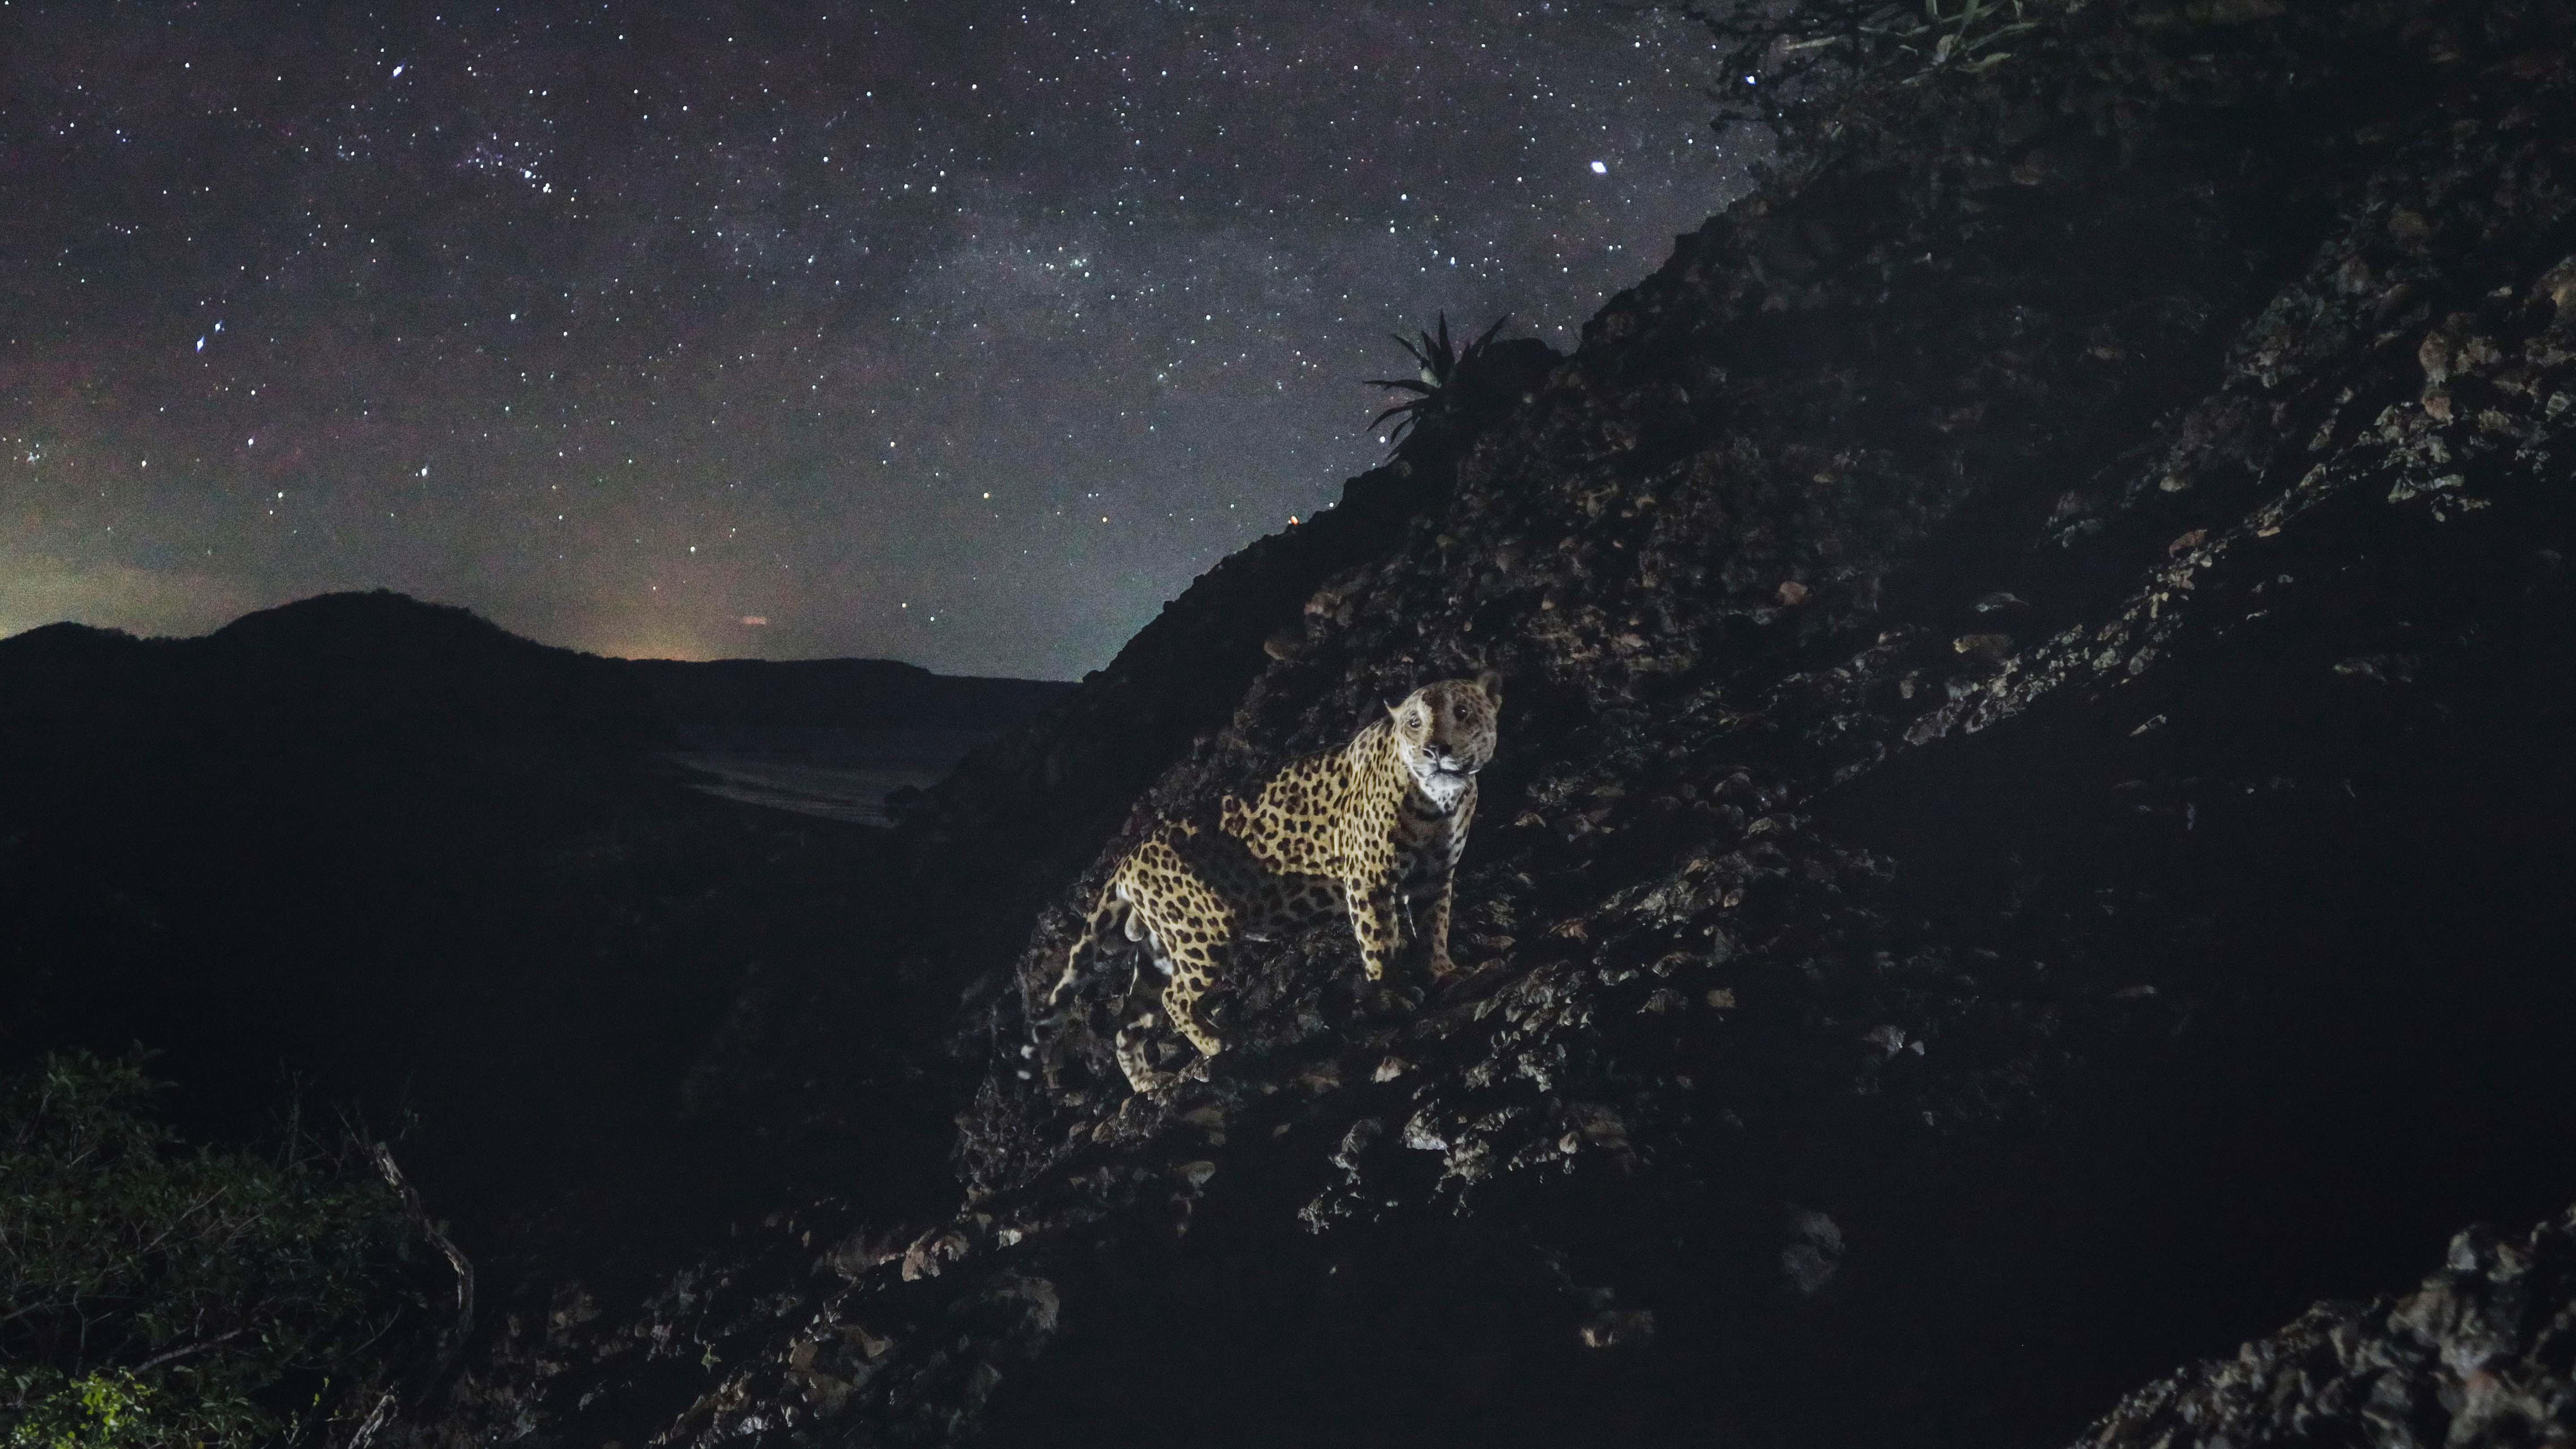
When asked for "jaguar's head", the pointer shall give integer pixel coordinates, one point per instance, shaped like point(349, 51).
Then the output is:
point(1444, 732)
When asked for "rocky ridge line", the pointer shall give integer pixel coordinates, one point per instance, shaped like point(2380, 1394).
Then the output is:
point(2483, 1353)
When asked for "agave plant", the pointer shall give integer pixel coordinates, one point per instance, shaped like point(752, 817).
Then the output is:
point(1974, 26)
point(1446, 369)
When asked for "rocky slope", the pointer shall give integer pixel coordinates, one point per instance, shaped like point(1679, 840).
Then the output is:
point(2483, 1353)
point(2028, 843)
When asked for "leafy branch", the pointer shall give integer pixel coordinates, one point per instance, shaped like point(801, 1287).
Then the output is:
point(153, 1294)
point(1800, 58)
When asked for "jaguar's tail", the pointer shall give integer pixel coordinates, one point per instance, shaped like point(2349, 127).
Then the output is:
point(1108, 914)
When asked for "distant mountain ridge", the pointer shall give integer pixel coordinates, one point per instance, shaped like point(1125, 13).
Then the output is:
point(384, 659)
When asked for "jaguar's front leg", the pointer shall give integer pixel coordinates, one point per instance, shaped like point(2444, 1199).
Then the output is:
point(1441, 966)
point(1374, 922)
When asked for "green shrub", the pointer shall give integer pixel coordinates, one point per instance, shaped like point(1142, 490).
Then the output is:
point(103, 1408)
point(154, 1296)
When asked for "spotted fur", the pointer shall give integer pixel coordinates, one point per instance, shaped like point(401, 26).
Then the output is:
point(1373, 830)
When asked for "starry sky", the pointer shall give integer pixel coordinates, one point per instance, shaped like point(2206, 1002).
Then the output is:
point(965, 333)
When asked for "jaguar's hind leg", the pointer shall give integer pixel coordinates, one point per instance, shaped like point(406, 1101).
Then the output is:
point(1136, 1028)
point(1192, 962)
point(1196, 967)
point(1135, 1054)
point(1110, 918)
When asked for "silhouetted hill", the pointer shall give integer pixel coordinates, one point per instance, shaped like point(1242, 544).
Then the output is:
point(381, 667)
point(327, 678)
point(417, 861)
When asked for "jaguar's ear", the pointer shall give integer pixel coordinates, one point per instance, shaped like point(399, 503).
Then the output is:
point(1492, 684)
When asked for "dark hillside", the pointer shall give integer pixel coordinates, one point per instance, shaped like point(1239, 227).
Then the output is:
point(837, 694)
point(2027, 846)
point(419, 863)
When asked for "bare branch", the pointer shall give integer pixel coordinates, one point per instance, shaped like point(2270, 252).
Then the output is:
point(185, 1349)
point(393, 1174)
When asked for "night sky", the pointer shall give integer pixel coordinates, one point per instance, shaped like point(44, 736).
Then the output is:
point(965, 333)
